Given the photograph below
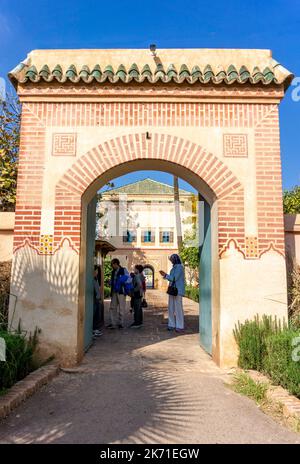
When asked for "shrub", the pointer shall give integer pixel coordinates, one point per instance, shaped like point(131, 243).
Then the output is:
point(19, 357)
point(107, 271)
point(192, 293)
point(251, 339)
point(279, 363)
point(266, 345)
point(291, 200)
point(5, 269)
point(106, 292)
point(294, 296)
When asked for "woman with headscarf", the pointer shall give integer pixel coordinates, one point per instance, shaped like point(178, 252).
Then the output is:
point(176, 291)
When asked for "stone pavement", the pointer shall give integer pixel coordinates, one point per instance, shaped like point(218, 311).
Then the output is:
point(143, 386)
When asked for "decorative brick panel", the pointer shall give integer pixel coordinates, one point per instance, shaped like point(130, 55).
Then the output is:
point(150, 114)
point(64, 144)
point(235, 145)
point(183, 90)
point(46, 244)
point(251, 247)
point(84, 171)
point(30, 178)
point(269, 183)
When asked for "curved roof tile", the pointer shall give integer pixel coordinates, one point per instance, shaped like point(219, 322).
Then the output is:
point(266, 72)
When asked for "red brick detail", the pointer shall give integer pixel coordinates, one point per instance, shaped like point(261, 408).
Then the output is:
point(235, 145)
point(150, 114)
point(30, 178)
point(231, 220)
point(64, 144)
point(89, 167)
point(269, 184)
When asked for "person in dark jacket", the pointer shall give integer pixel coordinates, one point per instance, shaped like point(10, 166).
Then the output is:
point(137, 296)
point(119, 278)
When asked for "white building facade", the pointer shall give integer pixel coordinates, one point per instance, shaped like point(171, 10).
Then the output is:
point(139, 219)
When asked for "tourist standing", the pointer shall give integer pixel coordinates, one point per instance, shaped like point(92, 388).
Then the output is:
point(119, 278)
point(176, 291)
point(137, 296)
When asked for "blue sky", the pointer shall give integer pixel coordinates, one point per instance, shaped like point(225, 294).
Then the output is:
point(26, 25)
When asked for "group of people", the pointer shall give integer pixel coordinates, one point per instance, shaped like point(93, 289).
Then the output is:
point(133, 284)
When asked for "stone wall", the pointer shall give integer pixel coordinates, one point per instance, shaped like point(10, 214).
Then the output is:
point(292, 238)
point(7, 221)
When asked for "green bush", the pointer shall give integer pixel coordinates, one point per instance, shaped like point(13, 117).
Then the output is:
point(251, 339)
point(19, 357)
point(279, 363)
point(294, 295)
point(107, 271)
point(106, 292)
point(192, 293)
point(265, 344)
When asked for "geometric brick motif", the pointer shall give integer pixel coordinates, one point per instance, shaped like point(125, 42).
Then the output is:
point(235, 145)
point(251, 246)
point(64, 144)
point(46, 244)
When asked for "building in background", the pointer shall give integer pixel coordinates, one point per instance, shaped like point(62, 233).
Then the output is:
point(139, 221)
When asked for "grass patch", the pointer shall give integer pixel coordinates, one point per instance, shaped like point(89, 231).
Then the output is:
point(243, 384)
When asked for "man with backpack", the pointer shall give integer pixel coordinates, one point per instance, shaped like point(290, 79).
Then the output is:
point(120, 287)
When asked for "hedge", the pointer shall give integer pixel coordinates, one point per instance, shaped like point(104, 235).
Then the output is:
point(19, 357)
point(106, 292)
point(266, 345)
point(280, 361)
point(192, 293)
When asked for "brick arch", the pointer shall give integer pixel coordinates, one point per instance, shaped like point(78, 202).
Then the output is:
point(183, 152)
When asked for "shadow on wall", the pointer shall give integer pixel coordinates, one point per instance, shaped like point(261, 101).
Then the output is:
point(53, 280)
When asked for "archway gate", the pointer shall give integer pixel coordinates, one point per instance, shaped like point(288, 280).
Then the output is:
point(209, 116)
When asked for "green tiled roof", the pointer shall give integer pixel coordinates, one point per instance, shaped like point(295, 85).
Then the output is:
point(121, 74)
point(146, 187)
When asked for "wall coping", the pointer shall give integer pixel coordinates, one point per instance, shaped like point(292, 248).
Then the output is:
point(292, 223)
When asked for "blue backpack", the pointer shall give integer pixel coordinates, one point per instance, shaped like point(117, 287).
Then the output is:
point(128, 286)
point(125, 281)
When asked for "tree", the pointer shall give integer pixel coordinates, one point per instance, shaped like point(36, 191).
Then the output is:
point(177, 212)
point(107, 271)
point(291, 200)
point(99, 213)
point(9, 151)
point(189, 250)
point(190, 257)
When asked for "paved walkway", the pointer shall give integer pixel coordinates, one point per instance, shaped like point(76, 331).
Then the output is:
point(143, 386)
